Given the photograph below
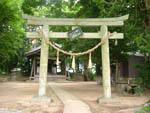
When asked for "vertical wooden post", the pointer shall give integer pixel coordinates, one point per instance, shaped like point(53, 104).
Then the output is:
point(34, 66)
point(106, 64)
point(117, 71)
point(43, 64)
point(32, 69)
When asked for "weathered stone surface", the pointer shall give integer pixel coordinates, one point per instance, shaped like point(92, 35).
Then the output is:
point(103, 100)
point(43, 99)
point(106, 64)
point(43, 64)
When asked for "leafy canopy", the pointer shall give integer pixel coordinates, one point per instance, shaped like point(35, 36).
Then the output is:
point(11, 31)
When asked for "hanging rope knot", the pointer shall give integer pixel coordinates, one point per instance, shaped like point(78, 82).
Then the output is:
point(57, 61)
point(116, 42)
point(90, 61)
point(73, 63)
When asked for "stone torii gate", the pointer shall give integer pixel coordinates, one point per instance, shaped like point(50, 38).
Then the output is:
point(104, 23)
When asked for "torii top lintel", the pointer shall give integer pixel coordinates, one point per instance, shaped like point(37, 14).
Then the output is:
point(116, 21)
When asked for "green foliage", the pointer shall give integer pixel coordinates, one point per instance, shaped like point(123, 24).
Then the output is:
point(139, 80)
point(25, 65)
point(29, 5)
point(144, 78)
point(2, 73)
point(139, 90)
point(144, 110)
point(11, 33)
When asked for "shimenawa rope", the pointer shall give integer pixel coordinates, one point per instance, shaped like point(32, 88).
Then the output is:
point(75, 54)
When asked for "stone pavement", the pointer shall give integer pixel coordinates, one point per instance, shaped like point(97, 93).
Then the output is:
point(71, 103)
point(4, 110)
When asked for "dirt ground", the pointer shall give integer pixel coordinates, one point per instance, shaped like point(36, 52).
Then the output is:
point(17, 97)
point(90, 91)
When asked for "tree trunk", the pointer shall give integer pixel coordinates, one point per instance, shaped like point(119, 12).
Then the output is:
point(85, 75)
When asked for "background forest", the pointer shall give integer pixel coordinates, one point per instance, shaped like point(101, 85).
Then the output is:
point(14, 44)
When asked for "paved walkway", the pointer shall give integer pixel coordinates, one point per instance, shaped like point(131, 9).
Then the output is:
point(5, 110)
point(71, 103)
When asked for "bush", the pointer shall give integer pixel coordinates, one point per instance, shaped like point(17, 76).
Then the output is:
point(144, 78)
point(2, 73)
point(144, 110)
point(139, 90)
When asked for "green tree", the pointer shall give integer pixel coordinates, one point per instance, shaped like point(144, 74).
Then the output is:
point(11, 33)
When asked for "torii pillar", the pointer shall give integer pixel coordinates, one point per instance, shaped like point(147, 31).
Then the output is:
point(43, 64)
point(107, 98)
point(106, 63)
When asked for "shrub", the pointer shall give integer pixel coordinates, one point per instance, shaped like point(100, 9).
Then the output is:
point(144, 110)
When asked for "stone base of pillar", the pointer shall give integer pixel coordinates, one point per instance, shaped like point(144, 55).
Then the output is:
point(43, 99)
point(103, 100)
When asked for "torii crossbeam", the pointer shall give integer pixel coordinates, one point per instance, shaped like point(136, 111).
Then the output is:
point(89, 22)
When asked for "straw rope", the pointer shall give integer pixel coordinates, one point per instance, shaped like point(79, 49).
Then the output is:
point(75, 54)
point(57, 60)
point(90, 61)
point(73, 62)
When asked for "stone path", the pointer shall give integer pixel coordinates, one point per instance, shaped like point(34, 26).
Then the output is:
point(9, 111)
point(71, 103)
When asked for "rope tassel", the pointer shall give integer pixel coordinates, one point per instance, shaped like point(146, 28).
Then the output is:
point(57, 61)
point(116, 42)
point(90, 61)
point(73, 62)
